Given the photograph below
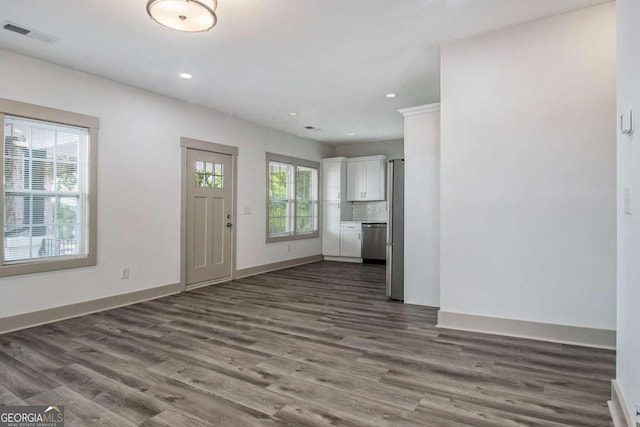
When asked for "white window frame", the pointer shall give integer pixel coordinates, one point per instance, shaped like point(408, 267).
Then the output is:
point(295, 163)
point(53, 116)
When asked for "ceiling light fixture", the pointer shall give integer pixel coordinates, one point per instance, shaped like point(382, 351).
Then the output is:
point(293, 114)
point(184, 15)
point(185, 76)
point(351, 134)
point(391, 95)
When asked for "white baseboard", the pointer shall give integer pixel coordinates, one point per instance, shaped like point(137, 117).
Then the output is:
point(618, 407)
point(575, 335)
point(343, 259)
point(265, 268)
point(28, 320)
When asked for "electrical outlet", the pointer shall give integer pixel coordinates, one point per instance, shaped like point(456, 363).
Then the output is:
point(124, 273)
point(246, 210)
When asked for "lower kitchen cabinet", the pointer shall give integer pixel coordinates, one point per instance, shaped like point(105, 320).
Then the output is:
point(351, 240)
point(331, 228)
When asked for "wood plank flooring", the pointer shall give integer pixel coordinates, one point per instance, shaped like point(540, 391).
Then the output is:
point(317, 345)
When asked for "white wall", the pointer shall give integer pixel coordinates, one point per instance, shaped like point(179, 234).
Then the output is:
point(528, 171)
point(393, 149)
point(139, 183)
point(422, 206)
point(628, 358)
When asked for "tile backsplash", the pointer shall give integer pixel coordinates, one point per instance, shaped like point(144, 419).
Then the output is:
point(370, 211)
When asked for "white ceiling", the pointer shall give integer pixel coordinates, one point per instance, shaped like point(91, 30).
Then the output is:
point(332, 61)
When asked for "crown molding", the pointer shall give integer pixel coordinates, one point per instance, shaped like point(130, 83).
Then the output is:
point(421, 109)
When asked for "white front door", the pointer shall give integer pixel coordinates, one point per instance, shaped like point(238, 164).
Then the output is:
point(209, 215)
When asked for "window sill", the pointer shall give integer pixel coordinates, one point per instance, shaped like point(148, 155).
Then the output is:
point(46, 264)
point(314, 235)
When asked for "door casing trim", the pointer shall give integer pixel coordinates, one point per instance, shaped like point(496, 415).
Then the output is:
point(212, 147)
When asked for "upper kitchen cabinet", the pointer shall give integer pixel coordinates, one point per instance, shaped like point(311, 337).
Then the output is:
point(334, 179)
point(366, 178)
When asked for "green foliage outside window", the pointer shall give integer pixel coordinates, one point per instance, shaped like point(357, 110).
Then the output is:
point(293, 198)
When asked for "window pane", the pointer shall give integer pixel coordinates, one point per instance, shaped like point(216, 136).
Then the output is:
point(67, 226)
point(42, 168)
point(304, 217)
point(200, 174)
point(67, 148)
point(17, 227)
point(279, 218)
point(43, 143)
point(67, 177)
point(208, 174)
point(218, 179)
point(303, 184)
point(16, 144)
point(279, 175)
point(306, 200)
point(16, 215)
point(16, 173)
point(41, 174)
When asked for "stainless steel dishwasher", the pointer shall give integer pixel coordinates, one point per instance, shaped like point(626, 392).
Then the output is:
point(374, 241)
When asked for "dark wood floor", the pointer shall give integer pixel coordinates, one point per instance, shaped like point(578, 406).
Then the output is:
point(316, 345)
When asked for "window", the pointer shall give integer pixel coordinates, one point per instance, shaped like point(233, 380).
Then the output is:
point(292, 198)
point(48, 199)
point(209, 174)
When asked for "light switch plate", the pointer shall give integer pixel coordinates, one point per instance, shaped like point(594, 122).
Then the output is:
point(627, 200)
point(626, 122)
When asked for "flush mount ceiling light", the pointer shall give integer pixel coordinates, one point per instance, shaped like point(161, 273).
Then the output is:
point(391, 95)
point(185, 76)
point(293, 114)
point(184, 15)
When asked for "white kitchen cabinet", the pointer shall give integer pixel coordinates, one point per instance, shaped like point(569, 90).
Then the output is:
point(334, 178)
point(331, 228)
point(356, 180)
point(366, 178)
point(351, 240)
point(335, 207)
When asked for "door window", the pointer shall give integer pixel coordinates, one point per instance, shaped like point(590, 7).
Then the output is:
point(209, 174)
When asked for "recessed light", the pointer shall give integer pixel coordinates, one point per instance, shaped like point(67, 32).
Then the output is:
point(185, 76)
point(391, 95)
point(293, 114)
point(351, 134)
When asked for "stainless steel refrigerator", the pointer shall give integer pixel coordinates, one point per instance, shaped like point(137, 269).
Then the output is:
point(395, 229)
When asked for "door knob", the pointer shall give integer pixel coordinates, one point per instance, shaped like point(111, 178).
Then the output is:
point(229, 225)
